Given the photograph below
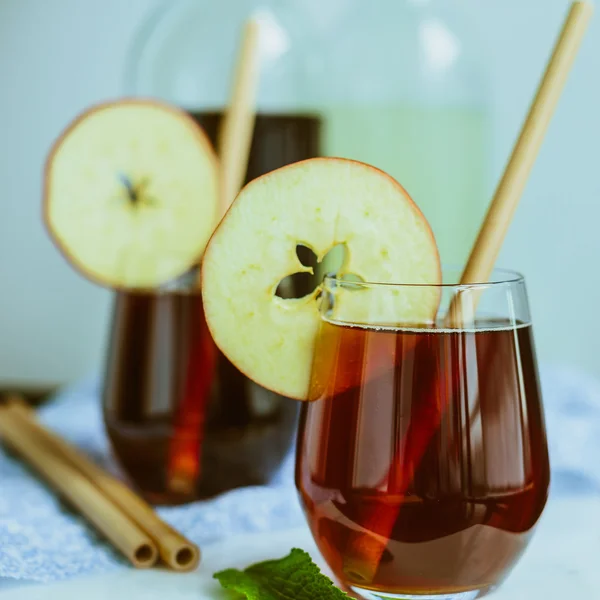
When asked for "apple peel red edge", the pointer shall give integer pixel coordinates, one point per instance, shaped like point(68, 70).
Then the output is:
point(412, 203)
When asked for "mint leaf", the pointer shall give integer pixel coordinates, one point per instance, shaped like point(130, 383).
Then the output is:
point(295, 577)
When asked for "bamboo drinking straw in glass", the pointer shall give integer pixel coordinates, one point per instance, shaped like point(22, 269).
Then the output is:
point(235, 138)
point(512, 184)
point(235, 134)
point(366, 549)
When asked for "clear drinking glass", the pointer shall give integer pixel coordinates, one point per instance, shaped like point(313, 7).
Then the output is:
point(422, 462)
point(183, 423)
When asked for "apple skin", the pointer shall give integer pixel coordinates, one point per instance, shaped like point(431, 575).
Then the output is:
point(132, 101)
point(308, 394)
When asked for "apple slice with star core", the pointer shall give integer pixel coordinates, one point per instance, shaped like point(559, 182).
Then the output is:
point(319, 203)
point(131, 193)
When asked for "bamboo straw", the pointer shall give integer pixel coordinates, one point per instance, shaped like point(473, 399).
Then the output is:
point(81, 493)
point(175, 550)
point(512, 184)
point(366, 549)
point(235, 134)
point(233, 145)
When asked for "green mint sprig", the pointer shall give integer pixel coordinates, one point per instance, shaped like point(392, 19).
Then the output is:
point(295, 577)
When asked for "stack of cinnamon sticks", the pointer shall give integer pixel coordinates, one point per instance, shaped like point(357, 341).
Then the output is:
point(126, 521)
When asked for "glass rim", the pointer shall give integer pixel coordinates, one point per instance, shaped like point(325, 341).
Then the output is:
point(183, 285)
point(506, 277)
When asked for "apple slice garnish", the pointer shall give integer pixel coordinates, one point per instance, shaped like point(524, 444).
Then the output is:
point(319, 203)
point(131, 193)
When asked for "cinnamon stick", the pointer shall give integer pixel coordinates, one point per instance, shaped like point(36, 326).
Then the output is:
point(175, 550)
point(125, 535)
point(366, 547)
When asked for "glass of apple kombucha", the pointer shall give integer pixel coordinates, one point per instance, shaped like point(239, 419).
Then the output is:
point(422, 461)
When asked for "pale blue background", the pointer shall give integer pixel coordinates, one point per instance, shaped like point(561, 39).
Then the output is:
point(58, 57)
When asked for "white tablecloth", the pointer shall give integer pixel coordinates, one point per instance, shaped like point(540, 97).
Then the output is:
point(42, 541)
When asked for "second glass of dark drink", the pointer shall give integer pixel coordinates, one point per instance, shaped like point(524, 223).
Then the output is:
point(183, 422)
point(422, 462)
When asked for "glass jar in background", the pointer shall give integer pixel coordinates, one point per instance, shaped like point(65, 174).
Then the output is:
point(390, 83)
point(399, 84)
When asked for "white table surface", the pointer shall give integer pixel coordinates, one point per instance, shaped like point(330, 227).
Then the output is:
point(562, 563)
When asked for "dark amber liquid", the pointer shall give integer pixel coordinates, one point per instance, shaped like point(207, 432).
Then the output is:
point(423, 467)
point(184, 423)
point(180, 429)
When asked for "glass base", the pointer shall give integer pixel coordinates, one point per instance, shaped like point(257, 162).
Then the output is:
point(367, 595)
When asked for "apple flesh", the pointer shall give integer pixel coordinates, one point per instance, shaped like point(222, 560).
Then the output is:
point(319, 203)
point(131, 193)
